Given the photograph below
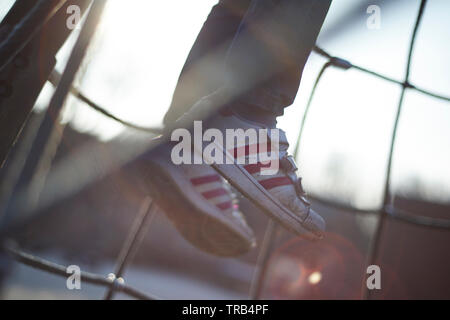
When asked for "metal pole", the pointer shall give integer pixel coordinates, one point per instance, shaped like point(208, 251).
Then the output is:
point(131, 245)
point(262, 262)
point(373, 254)
point(308, 106)
point(30, 25)
point(59, 97)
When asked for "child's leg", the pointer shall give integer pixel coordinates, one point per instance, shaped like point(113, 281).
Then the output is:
point(266, 58)
point(203, 71)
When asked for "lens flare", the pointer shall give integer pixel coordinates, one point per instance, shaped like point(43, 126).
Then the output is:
point(315, 277)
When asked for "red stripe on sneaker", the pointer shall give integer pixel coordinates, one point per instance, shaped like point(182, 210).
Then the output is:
point(255, 168)
point(244, 150)
point(214, 193)
point(255, 149)
point(225, 205)
point(275, 182)
point(205, 179)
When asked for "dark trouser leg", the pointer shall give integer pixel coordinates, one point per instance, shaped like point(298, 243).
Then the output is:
point(203, 71)
point(265, 62)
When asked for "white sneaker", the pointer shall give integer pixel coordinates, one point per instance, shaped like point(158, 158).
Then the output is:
point(284, 187)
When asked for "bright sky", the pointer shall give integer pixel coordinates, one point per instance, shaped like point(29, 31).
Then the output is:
point(142, 45)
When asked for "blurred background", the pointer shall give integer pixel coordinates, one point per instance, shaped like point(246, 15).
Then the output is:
point(131, 70)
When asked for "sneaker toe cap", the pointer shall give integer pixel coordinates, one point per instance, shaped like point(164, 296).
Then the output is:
point(315, 223)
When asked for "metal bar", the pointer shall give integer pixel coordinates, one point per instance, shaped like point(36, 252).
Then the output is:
point(341, 205)
point(131, 245)
point(377, 75)
point(262, 262)
point(373, 253)
point(22, 33)
point(394, 213)
point(327, 55)
point(308, 106)
point(54, 79)
point(417, 220)
point(29, 70)
point(431, 94)
point(59, 97)
point(60, 270)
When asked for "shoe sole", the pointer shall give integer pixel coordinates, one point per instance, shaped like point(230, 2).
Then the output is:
point(200, 222)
